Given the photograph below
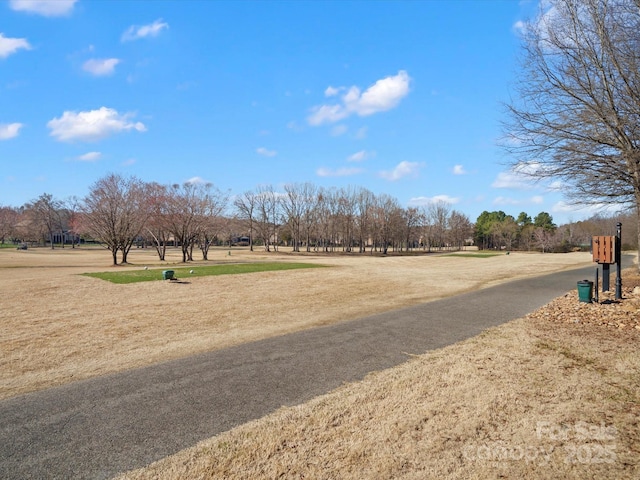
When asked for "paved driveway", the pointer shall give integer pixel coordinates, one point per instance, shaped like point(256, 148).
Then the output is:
point(102, 426)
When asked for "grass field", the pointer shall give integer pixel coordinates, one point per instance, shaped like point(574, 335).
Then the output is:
point(475, 255)
point(525, 400)
point(185, 273)
point(61, 325)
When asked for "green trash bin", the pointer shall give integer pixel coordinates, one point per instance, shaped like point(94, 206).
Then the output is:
point(167, 274)
point(585, 291)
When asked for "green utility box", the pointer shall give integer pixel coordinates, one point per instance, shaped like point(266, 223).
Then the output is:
point(585, 291)
point(167, 274)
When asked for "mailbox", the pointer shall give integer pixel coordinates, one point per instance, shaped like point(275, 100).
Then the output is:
point(604, 250)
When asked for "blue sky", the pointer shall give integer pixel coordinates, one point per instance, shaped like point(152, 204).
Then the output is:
point(402, 98)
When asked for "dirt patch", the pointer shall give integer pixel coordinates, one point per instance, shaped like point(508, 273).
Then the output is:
point(60, 326)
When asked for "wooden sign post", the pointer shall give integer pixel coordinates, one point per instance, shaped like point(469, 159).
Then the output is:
point(606, 251)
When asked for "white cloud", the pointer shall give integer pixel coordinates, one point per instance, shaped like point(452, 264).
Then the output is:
point(535, 200)
point(383, 95)
point(556, 186)
point(512, 180)
point(90, 157)
point(129, 162)
point(47, 8)
point(339, 130)
point(327, 114)
point(136, 32)
point(519, 27)
point(340, 172)
point(91, 125)
point(197, 181)
point(331, 91)
point(9, 46)
point(459, 170)
point(9, 130)
point(358, 156)
point(403, 169)
point(267, 153)
point(586, 211)
point(100, 66)
point(420, 201)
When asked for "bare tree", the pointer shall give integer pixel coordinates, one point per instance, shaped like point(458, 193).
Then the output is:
point(347, 213)
point(8, 222)
point(460, 229)
point(294, 204)
point(386, 213)
point(365, 200)
point(214, 203)
point(577, 115)
point(73, 220)
point(157, 231)
point(245, 206)
point(412, 222)
point(309, 217)
point(188, 210)
point(544, 238)
point(267, 215)
point(46, 216)
point(438, 213)
point(115, 212)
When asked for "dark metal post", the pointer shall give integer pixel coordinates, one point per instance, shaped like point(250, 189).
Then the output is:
point(605, 277)
point(618, 261)
point(597, 286)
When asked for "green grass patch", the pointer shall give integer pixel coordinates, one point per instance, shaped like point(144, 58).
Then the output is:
point(184, 273)
point(474, 255)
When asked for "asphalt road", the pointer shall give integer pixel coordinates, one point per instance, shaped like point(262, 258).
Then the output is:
point(114, 423)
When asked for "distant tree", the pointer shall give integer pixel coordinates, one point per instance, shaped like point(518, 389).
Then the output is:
point(523, 219)
point(294, 205)
point(8, 222)
point(115, 212)
point(346, 216)
point(157, 230)
point(214, 204)
point(245, 206)
point(438, 217)
point(266, 207)
point(460, 228)
point(544, 220)
point(192, 211)
point(525, 237)
point(46, 216)
point(73, 218)
point(413, 221)
point(484, 232)
point(544, 238)
point(365, 200)
point(505, 232)
point(308, 220)
point(387, 218)
point(576, 115)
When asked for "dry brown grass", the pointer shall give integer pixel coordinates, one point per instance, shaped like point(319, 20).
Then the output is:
point(59, 326)
point(541, 397)
point(530, 399)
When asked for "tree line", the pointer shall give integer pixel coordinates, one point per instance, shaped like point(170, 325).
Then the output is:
point(497, 230)
point(121, 212)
